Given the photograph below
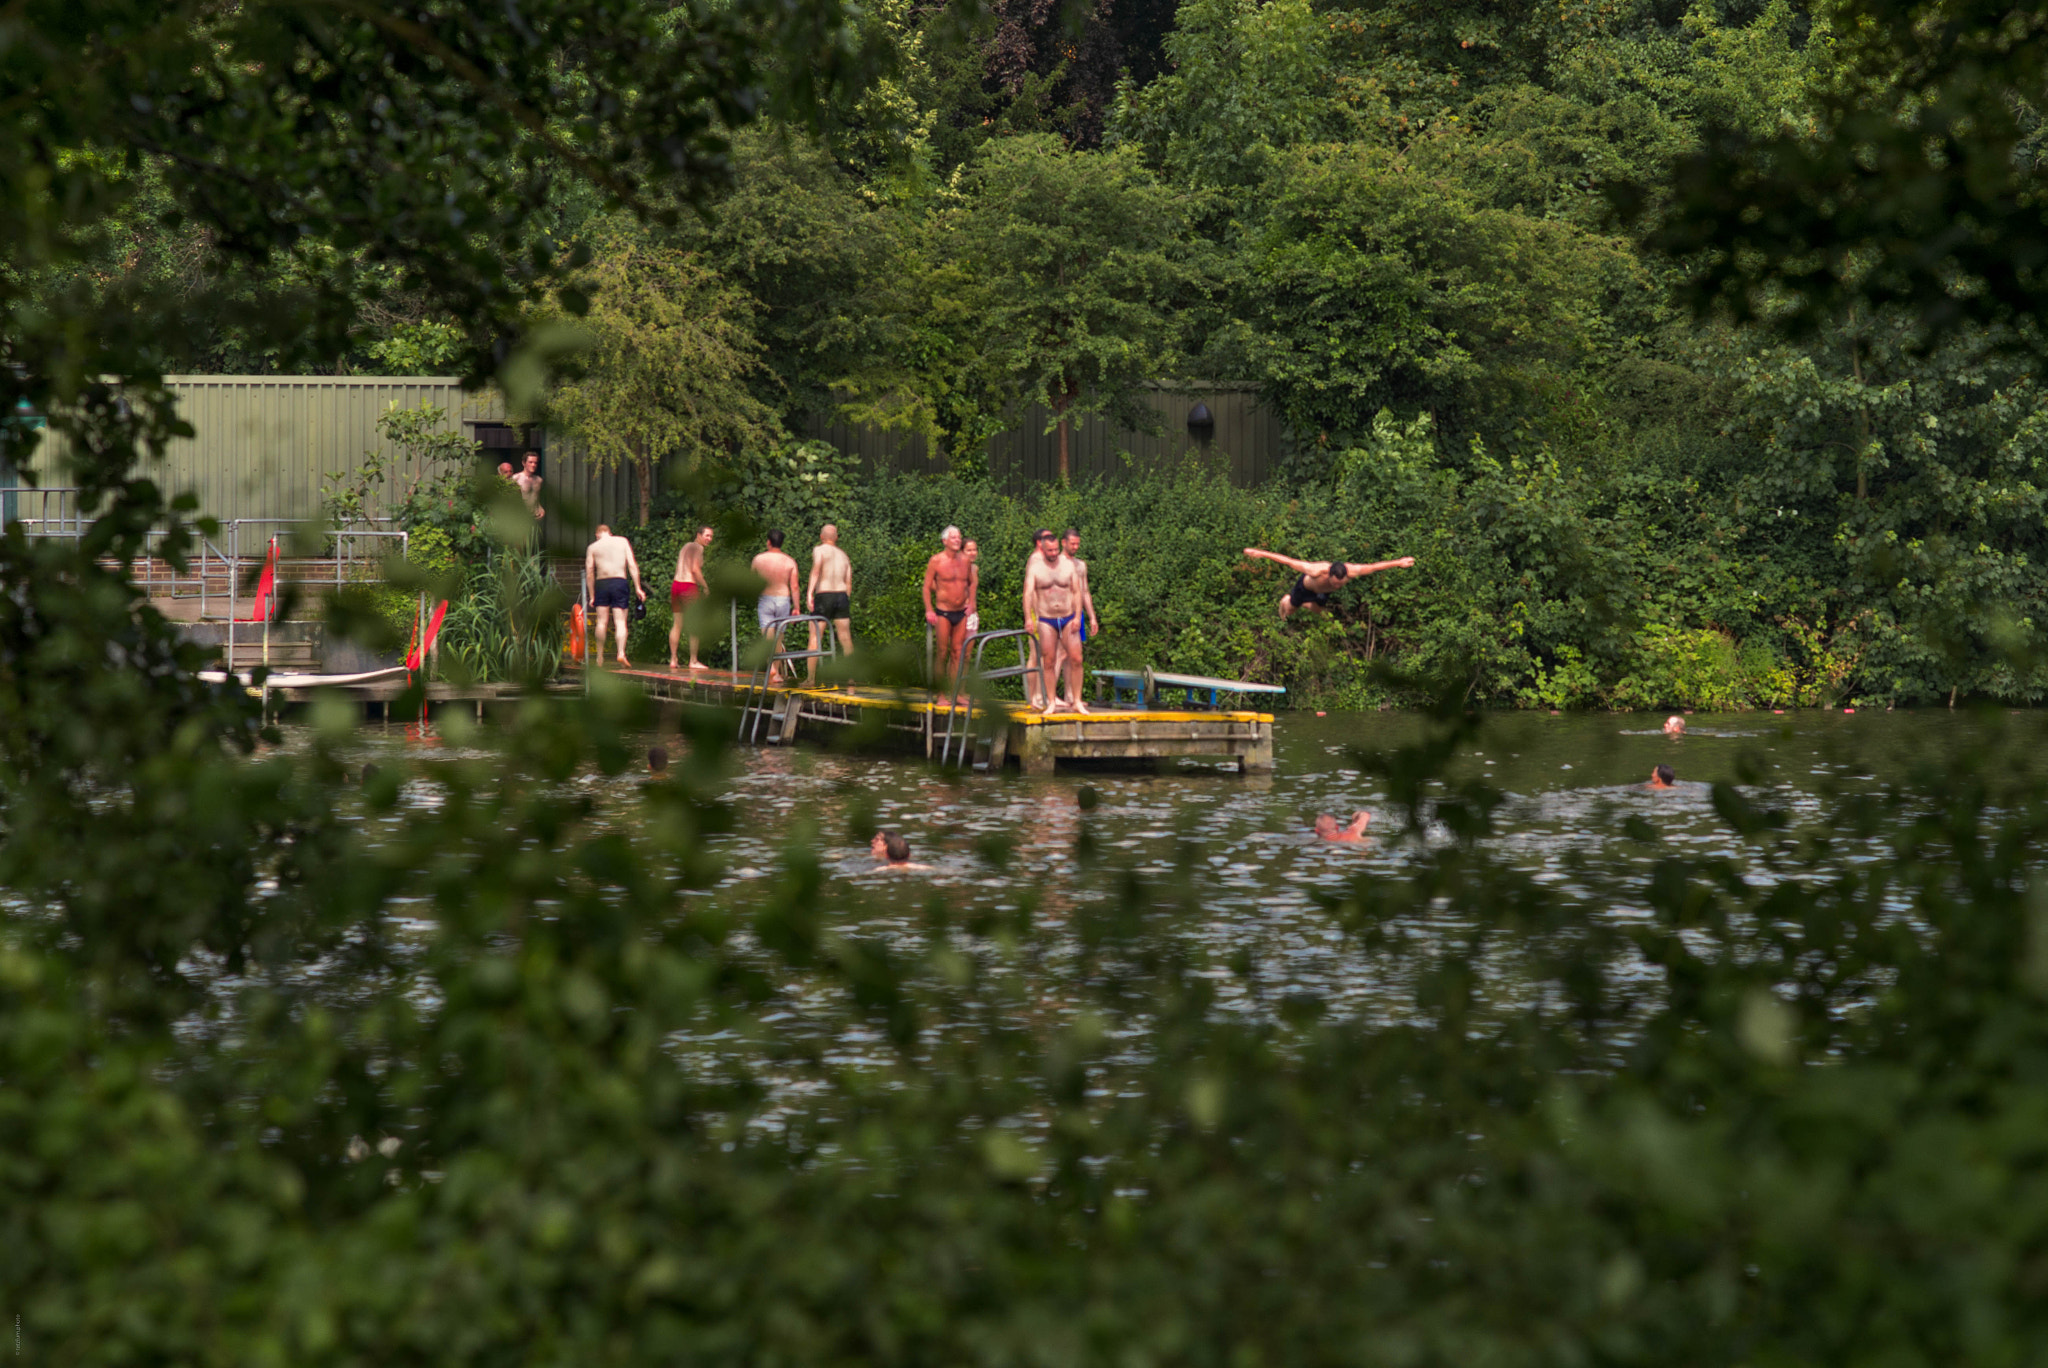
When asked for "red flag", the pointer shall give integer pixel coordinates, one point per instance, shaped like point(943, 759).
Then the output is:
point(416, 658)
point(264, 587)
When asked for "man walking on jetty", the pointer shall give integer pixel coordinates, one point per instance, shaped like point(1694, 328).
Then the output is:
point(1317, 581)
point(685, 589)
point(778, 599)
point(606, 565)
point(1052, 612)
point(951, 584)
point(831, 594)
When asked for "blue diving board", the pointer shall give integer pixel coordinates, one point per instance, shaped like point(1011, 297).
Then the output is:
point(1147, 684)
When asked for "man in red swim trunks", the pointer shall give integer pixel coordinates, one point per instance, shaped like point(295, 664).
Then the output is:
point(683, 589)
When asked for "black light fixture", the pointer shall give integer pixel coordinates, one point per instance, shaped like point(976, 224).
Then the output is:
point(1201, 423)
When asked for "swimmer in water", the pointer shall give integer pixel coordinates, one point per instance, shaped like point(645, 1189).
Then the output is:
point(1674, 725)
point(892, 850)
point(657, 760)
point(1662, 777)
point(1330, 829)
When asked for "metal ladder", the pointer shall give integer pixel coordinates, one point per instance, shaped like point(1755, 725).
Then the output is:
point(757, 703)
point(960, 721)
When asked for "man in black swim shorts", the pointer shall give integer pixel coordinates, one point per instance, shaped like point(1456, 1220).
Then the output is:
point(1317, 581)
point(606, 566)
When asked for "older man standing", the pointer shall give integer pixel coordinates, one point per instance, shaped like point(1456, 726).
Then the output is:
point(950, 586)
point(606, 565)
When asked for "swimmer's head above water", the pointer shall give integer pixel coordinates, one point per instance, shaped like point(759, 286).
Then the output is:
point(1663, 777)
point(657, 759)
point(1330, 829)
point(890, 846)
point(1674, 725)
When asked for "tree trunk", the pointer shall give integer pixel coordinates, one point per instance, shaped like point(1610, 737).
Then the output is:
point(1061, 402)
point(644, 469)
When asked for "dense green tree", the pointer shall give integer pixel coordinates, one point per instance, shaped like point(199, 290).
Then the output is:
point(1370, 282)
point(1917, 180)
point(670, 354)
point(1076, 262)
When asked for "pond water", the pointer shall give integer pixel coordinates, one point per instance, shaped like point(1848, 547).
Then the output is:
point(1568, 785)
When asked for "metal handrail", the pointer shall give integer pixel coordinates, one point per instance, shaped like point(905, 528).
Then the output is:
point(757, 687)
point(978, 644)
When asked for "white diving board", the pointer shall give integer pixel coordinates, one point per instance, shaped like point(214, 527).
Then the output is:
point(1147, 684)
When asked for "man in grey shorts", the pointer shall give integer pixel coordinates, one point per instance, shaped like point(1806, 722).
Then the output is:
point(781, 591)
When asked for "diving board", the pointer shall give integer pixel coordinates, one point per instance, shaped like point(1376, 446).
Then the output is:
point(1147, 683)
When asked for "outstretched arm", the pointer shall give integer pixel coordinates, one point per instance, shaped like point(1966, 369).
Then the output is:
point(1298, 567)
point(633, 565)
point(1352, 568)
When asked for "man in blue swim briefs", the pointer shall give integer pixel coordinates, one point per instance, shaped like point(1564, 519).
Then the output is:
point(1317, 582)
point(1053, 612)
point(605, 566)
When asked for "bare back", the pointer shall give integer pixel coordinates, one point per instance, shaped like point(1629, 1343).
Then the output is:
point(690, 562)
point(609, 557)
point(779, 570)
point(831, 571)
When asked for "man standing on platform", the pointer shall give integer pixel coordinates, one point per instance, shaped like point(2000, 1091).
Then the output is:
point(685, 589)
point(1090, 626)
point(831, 595)
point(1052, 611)
point(950, 586)
point(778, 598)
point(606, 565)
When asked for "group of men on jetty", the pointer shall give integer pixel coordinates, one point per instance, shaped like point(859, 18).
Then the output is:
point(1059, 609)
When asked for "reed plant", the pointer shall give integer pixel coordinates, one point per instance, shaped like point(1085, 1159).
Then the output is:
point(509, 622)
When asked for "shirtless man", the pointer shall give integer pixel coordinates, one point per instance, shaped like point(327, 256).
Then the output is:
point(1319, 580)
point(688, 585)
point(1330, 829)
point(831, 595)
point(778, 599)
point(1662, 777)
point(528, 480)
point(1090, 625)
point(606, 565)
point(1052, 612)
point(505, 470)
point(951, 584)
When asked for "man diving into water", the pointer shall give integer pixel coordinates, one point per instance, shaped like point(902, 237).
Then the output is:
point(1318, 581)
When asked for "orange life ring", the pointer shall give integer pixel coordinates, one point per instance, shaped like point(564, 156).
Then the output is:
point(576, 632)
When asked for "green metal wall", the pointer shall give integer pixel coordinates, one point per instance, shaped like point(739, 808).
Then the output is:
point(1245, 447)
point(263, 445)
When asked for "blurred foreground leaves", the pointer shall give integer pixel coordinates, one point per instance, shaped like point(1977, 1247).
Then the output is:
point(495, 1086)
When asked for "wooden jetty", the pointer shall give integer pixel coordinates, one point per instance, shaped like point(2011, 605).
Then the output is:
point(989, 734)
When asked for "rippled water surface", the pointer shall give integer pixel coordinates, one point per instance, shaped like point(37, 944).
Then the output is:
point(1569, 783)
